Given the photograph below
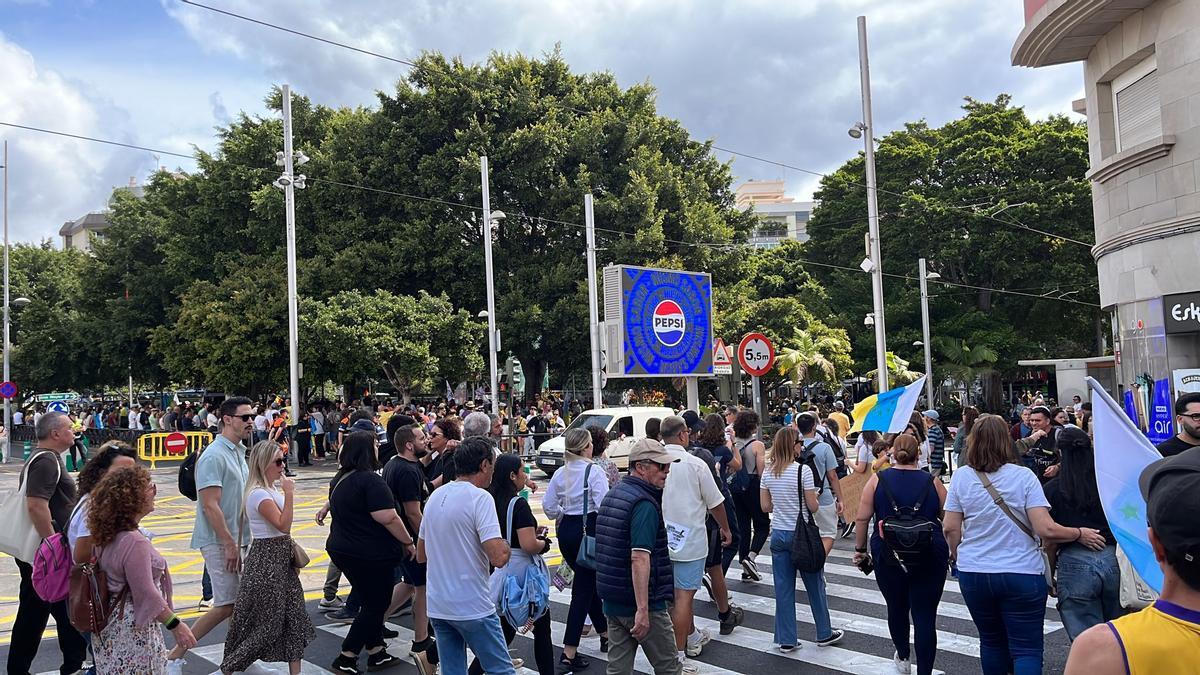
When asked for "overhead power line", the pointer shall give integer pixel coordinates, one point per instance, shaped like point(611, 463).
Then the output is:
point(969, 210)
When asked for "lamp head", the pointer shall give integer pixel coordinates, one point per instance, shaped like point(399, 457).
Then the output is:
point(19, 302)
point(869, 319)
point(497, 215)
point(857, 130)
point(933, 275)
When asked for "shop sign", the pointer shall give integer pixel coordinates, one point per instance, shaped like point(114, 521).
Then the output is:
point(1181, 313)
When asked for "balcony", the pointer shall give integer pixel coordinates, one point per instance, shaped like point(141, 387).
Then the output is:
point(1062, 31)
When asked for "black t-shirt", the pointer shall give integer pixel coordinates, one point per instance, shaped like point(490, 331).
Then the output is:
point(354, 532)
point(1042, 456)
point(1173, 446)
point(1070, 516)
point(406, 480)
point(522, 518)
point(449, 472)
point(48, 479)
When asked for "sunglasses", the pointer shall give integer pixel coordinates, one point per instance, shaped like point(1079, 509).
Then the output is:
point(245, 418)
point(279, 462)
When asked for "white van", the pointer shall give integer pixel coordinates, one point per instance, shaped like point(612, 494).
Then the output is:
point(624, 426)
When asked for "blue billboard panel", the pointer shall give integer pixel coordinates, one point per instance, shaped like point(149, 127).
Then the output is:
point(667, 319)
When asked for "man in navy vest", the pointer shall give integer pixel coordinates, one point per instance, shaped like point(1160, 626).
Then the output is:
point(633, 566)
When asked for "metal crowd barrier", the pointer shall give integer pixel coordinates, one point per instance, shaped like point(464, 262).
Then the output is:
point(151, 447)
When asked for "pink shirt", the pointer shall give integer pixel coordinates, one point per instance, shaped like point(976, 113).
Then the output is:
point(132, 560)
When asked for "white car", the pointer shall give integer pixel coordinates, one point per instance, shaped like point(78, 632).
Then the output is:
point(624, 426)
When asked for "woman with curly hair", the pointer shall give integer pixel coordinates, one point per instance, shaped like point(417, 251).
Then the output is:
point(269, 620)
point(444, 436)
point(138, 580)
point(112, 455)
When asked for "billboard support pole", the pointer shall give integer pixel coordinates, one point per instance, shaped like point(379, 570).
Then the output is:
point(693, 393)
point(757, 394)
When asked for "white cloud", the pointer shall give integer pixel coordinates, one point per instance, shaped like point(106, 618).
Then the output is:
point(778, 80)
point(54, 179)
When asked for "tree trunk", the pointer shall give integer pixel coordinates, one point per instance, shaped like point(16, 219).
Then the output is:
point(991, 394)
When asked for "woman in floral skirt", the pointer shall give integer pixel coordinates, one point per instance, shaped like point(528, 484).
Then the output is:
point(269, 620)
point(138, 581)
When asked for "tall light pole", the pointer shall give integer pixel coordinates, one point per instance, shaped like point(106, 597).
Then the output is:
point(7, 345)
point(866, 131)
point(593, 310)
point(925, 277)
point(490, 219)
point(288, 182)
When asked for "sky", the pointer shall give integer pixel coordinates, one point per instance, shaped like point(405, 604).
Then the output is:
point(777, 79)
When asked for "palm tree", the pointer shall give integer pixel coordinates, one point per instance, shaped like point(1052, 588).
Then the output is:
point(808, 354)
point(962, 362)
point(898, 371)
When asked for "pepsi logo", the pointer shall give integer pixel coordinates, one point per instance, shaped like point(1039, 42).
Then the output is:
point(669, 323)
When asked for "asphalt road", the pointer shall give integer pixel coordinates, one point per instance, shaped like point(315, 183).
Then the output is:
point(855, 603)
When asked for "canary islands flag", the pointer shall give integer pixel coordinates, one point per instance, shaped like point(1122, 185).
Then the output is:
point(888, 412)
point(1122, 452)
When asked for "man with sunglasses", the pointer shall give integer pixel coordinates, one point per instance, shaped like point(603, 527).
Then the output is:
point(1187, 419)
point(634, 576)
point(221, 474)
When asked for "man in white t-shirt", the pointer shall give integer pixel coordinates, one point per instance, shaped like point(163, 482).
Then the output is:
point(829, 488)
point(134, 411)
point(460, 541)
point(261, 422)
point(689, 496)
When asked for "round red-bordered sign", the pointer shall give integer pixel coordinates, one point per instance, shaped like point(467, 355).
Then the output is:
point(8, 389)
point(756, 354)
point(175, 443)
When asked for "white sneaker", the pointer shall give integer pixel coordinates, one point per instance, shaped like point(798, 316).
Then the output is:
point(689, 667)
point(175, 666)
point(902, 665)
point(697, 640)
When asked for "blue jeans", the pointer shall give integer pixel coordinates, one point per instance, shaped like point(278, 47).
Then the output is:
point(484, 637)
point(1009, 610)
point(1089, 587)
point(784, 573)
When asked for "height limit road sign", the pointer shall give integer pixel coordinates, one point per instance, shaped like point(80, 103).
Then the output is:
point(756, 354)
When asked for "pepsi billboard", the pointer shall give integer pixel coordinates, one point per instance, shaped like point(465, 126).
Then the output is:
point(663, 321)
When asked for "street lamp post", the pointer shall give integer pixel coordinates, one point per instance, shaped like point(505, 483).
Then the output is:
point(288, 182)
point(490, 220)
point(925, 277)
point(7, 404)
point(866, 131)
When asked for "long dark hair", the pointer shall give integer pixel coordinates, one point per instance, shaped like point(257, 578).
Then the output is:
point(712, 436)
point(502, 488)
point(100, 462)
point(1077, 477)
point(358, 454)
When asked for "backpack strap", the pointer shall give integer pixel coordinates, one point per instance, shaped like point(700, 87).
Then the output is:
point(587, 490)
point(512, 503)
point(924, 494)
point(888, 491)
point(819, 480)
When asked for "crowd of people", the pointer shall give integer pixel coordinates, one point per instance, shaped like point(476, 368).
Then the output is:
point(426, 511)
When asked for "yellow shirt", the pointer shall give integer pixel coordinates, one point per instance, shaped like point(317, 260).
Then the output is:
point(384, 417)
point(843, 422)
point(1163, 638)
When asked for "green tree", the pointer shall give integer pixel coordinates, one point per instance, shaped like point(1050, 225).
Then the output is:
point(899, 373)
point(804, 359)
point(417, 343)
point(937, 187)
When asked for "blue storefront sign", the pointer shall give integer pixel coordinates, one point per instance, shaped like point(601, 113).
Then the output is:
point(1160, 413)
point(666, 317)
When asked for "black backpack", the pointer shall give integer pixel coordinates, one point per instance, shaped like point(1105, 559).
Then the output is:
point(187, 476)
point(906, 532)
point(838, 452)
point(809, 459)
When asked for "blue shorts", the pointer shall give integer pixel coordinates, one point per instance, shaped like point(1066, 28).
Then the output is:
point(688, 574)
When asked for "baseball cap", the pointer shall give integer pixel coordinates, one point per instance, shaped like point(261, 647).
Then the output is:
point(692, 419)
point(363, 425)
point(933, 415)
point(1171, 488)
point(651, 450)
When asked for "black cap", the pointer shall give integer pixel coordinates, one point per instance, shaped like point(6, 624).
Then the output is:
point(692, 419)
point(1171, 488)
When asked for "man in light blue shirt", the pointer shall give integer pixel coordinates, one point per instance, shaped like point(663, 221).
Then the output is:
point(829, 496)
point(219, 532)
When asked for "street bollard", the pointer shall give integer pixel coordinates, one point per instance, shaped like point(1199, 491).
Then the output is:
point(28, 448)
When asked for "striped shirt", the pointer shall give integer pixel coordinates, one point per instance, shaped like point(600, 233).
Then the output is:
point(785, 497)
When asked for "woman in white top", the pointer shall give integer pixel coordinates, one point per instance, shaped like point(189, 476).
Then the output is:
point(780, 496)
point(564, 501)
point(1001, 571)
point(269, 619)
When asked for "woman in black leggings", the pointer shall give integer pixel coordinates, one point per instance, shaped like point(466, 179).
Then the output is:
point(754, 526)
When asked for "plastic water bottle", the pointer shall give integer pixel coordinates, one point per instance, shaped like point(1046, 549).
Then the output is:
point(525, 491)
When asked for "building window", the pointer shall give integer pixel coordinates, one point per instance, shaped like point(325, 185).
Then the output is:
point(1137, 111)
point(67, 241)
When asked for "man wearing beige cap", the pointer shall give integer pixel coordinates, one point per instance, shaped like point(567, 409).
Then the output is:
point(634, 576)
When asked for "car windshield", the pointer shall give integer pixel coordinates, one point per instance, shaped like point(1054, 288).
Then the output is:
point(586, 421)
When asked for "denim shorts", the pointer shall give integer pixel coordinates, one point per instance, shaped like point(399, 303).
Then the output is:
point(688, 574)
